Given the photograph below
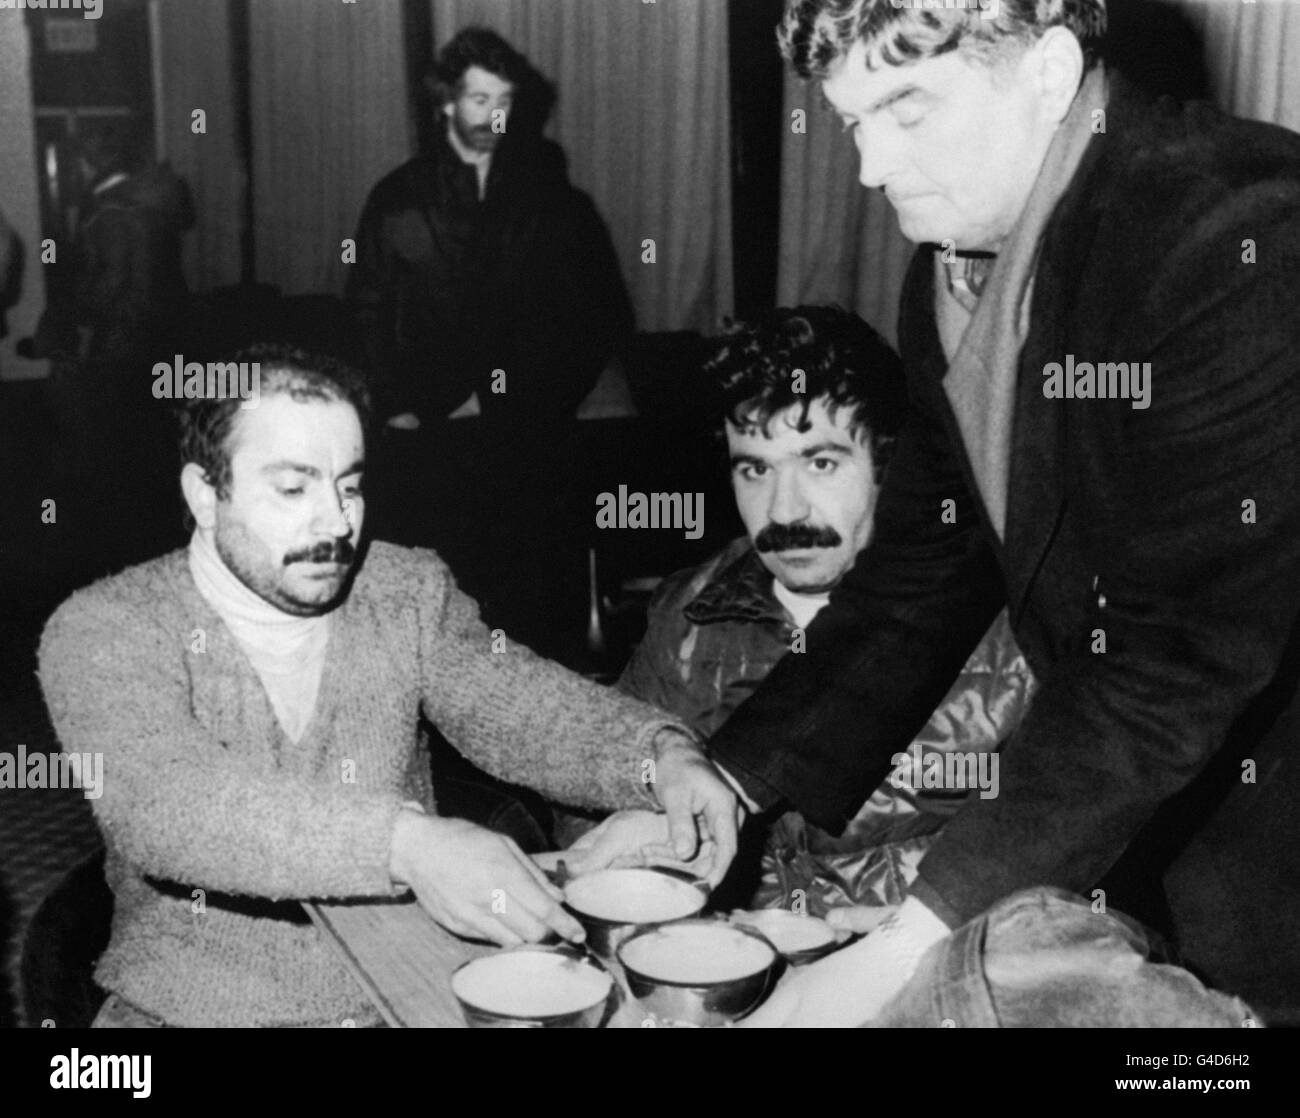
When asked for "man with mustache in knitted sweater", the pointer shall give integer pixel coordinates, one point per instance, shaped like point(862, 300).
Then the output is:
point(255, 700)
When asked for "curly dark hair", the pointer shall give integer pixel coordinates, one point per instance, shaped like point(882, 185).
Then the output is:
point(207, 424)
point(815, 34)
point(844, 363)
point(481, 47)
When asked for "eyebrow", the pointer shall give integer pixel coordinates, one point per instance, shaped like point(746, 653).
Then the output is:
point(284, 464)
point(881, 102)
point(897, 95)
point(807, 452)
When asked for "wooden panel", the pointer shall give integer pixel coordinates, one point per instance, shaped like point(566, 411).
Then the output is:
point(401, 957)
point(404, 961)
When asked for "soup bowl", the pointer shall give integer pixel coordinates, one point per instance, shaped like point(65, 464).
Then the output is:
point(535, 987)
point(800, 939)
point(699, 972)
point(612, 904)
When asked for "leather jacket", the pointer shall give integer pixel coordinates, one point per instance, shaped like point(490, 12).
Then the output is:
point(448, 287)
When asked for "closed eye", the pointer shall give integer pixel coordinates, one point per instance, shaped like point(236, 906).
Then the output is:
point(909, 111)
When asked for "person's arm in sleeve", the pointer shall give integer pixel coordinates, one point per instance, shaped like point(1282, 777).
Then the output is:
point(371, 296)
point(598, 310)
point(1201, 599)
point(529, 721)
point(175, 801)
point(112, 285)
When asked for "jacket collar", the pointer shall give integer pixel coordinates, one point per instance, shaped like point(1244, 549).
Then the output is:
point(740, 589)
point(1038, 436)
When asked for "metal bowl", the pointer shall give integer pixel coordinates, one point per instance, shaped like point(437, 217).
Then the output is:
point(784, 929)
point(712, 1003)
point(604, 935)
point(513, 966)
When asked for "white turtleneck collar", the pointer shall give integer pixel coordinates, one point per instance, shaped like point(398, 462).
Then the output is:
point(287, 652)
point(802, 607)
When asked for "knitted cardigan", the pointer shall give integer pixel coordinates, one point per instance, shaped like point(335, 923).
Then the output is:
point(216, 824)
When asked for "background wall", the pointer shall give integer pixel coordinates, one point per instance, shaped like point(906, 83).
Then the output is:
point(329, 119)
point(839, 242)
point(193, 61)
point(643, 114)
point(18, 197)
point(1247, 45)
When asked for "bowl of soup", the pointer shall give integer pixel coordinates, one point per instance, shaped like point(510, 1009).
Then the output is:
point(535, 987)
point(612, 904)
point(799, 938)
point(699, 972)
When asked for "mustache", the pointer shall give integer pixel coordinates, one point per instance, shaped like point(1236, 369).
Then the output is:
point(327, 551)
point(789, 537)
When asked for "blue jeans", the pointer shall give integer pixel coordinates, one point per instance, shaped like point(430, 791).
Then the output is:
point(1043, 959)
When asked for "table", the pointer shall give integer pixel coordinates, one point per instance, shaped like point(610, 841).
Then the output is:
point(403, 960)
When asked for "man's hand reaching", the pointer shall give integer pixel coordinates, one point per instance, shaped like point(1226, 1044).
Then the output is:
point(476, 882)
point(635, 838)
point(699, 805)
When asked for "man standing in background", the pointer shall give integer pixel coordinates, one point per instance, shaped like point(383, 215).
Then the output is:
point(119, 308)
point(488, 298)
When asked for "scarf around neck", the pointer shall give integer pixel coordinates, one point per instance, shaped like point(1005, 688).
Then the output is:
point(981, 378)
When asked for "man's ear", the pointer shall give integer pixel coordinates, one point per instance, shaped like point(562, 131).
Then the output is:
point(199, 495)
point(1059, 71)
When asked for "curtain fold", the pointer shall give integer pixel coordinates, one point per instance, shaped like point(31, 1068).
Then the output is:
point(19, 197)
point(1247, 43)
point(193, 51)
point(329, 109)
point(642, 113)
point(839, 242)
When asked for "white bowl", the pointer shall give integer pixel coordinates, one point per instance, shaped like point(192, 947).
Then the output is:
point(534, 987)
point(799, 938)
